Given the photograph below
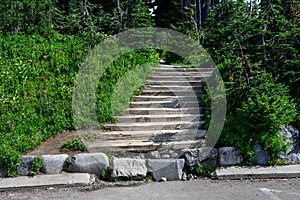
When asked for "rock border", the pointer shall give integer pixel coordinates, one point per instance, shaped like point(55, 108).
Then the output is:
point(157, 164)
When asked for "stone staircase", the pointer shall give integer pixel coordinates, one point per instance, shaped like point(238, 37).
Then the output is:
point(166, 115)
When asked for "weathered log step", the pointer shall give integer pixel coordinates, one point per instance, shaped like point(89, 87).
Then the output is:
point(182, 73)
point(182, 69)
point(134, 145)
point(190, 83)
point(165, 104)
point(173, 87)
point(153, 135)
point(159, 111)
point(154, 126)
point(165, 98)
point(177, 78)
point(159, 118)
point(172, 92)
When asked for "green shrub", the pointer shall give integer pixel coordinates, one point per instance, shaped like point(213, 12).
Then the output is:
point(73, 145)
point(11, 159)
point(259, 118)
point(37, 164)
point(36, 90)
point(110, 84)
point(202, 170)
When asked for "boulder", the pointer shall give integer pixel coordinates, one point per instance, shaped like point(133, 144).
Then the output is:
point(93, 163)
point(169, 169)
point(129, 167)
point(201, 156)
point(53, 164)
point(26, 165)
point(229, 156)
point(292, 158)
point(290, 135)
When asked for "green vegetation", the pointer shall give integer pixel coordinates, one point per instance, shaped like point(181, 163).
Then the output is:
point(113, 94)
point(73, 145)
point(42, 46)
point(202, 170)
point(259, 62)
point(37, 164)
point(256, 49)
point(44, 43)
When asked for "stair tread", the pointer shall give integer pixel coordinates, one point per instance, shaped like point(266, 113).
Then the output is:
point(167, 125)
point(153, 123)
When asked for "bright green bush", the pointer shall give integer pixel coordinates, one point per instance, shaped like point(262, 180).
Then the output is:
point(108, 82)
point(73, 145)
point(37, 164)
point(10, 159)
point(36, 86)
point(36, 79)
point(259, 118)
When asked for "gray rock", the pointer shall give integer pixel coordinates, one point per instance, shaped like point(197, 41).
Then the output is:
point(3, 171)
point(53, 164)
point(26, 165)
point(165, 156)
point(290, 135)
point(129, 167)
point(154, 154)
point(202, 156)
point(163, 179)
point(229, 156)
point(261, 156)
point(292, 158)
point(94, 163)
point(170, 169)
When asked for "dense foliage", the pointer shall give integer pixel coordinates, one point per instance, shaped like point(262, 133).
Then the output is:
point(256, 48)
point(43, 44)
point(255, 45)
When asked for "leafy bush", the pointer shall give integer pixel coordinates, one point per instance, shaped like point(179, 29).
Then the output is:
point(259, 118)
point(202, 170)
point(110, 82)
point(36, 90)
point(73, 145)
point(10, 159)
point(37, 164)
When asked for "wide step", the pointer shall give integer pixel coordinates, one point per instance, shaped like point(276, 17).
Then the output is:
point(159, 118)
point(154, 126)
point(165, 104)
point(166, 115)
point(141, 145)
point(165, 98)
point(157, 111)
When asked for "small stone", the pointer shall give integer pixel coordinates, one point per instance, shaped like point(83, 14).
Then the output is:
point(261, 155)
point(163, 179)
point(166, 156)
point(154, 155)
point(190, 177)
point(3, 171)
point(184, 176)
